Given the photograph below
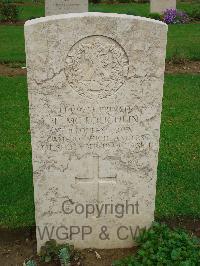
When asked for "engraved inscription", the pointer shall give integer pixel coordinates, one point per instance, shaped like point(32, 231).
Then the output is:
point(97, 66)
point(105, 130)
point(67, 3)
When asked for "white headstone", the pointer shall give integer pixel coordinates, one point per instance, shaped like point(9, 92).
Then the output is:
point(159, 6)
point(95, 86)
point(56, 7)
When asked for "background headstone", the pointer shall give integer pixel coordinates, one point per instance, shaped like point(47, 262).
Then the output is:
point(95, 91)
point(56, 7)
point(159, 6)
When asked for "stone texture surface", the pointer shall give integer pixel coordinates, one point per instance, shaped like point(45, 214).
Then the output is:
point(159, 6)
point(56, 7)
point(95, 86)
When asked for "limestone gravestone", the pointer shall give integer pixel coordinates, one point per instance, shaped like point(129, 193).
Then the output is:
point(95, 85)
point(55, 7)
point(159, 6)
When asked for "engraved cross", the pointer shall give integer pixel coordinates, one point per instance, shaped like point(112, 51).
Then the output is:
point(93, 175)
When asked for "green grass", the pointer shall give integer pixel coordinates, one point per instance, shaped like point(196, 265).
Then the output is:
point(131, 8)
point(37, 10)
point(178, 171)
point(188, 6)
point(179, 167)
point(16, 191)
point(184, 41)
point(30, 12)
point(12, 44)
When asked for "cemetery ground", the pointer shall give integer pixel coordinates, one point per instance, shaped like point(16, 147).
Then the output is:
point(177, 201)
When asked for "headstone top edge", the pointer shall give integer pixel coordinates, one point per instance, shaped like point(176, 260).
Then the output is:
point(91, 14)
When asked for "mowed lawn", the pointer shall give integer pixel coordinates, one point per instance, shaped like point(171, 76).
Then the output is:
point(183, 40)
point(141, 9)
point(178, 171)
point(12, 44)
